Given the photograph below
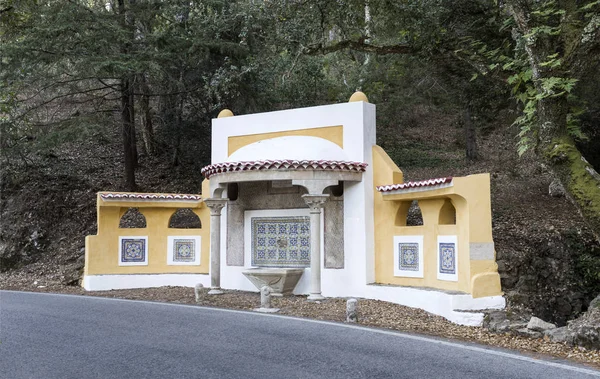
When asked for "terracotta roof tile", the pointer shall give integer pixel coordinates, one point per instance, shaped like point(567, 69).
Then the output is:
point(418, 184)
point(286, 164)
point(124, 196)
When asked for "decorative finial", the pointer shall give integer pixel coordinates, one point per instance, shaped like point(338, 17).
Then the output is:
point(225, 113)
point(358, 96)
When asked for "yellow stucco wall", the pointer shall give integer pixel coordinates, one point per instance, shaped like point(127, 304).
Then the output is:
point(334, 134)
point(102, 249)
point(470, 197)
point(205, 190)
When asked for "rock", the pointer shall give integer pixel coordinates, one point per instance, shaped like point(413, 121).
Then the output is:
point(518, 297)
point(502, 327)
point(514, 326)
point(501, 265)
point(496, 321)
point(556, 189)
point(539, 325)
point(562, 335)
point(72, 274)
point(587, 336)
point(524, 332)
point(81, 259)
point(351, 310)
point(586, 329)
point(595, 303)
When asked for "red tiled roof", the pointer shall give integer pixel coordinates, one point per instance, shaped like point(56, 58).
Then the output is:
point(418, 184)
point(149, 196)
point(286, 164)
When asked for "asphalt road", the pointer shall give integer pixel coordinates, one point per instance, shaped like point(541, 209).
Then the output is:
point(57, 336)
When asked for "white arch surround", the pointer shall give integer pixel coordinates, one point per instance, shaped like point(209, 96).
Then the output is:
point(289, 148)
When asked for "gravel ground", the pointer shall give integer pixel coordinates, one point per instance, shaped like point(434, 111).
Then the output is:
point(372, 313)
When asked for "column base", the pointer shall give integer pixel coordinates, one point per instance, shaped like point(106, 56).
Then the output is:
point(315, 297)
point(215, 291)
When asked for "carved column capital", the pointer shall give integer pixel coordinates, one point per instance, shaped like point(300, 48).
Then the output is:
point(215, 205)
point(315, 202)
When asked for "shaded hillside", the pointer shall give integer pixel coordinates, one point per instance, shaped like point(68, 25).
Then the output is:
point(547, 258)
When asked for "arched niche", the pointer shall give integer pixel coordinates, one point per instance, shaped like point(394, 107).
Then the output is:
point(335, 192)
point(402, 213)
point(409, 214)
point(233, 191)
point(132, 218)
point(414, 216)
point(184, 218)
point(447, 213)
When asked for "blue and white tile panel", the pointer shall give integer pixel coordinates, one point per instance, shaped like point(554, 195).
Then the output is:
point(408, 256)
point(281, 247)
point(133, 251)
point(447, 258)
point(281, 241)
point(183, 250)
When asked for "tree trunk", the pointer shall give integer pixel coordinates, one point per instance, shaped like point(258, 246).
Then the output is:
point(179, 130)
point(470, 136)
point(127, 109)
point(579, 178)
point(131, 104)
point(128, 133)
point(554, 144)
point(557, 148)
point(146, 118)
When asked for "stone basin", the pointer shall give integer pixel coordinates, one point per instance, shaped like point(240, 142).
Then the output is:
point(281, 280)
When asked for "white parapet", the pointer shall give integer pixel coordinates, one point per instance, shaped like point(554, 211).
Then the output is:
point(458, 308)
point(115, 282)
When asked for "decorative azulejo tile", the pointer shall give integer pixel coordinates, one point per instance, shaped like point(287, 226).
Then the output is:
point(447, 253)
point(447, 258)
point(280, 241)
point(408, 256)
point(183, 250)
point(133, 251)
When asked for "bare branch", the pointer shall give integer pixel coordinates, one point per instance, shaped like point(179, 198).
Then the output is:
point(359, 45)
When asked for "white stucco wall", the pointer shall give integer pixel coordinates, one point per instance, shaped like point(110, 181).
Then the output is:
point(290, 147)
point(358, 122)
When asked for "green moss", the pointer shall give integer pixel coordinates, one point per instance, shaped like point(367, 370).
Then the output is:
point(583, 187)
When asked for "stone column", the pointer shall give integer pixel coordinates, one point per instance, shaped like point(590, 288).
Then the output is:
point(315, 202)
point(215, 205)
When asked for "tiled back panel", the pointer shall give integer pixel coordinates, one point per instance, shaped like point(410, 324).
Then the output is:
point(281, 241)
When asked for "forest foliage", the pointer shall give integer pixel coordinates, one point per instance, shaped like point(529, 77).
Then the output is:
point(159, 71)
